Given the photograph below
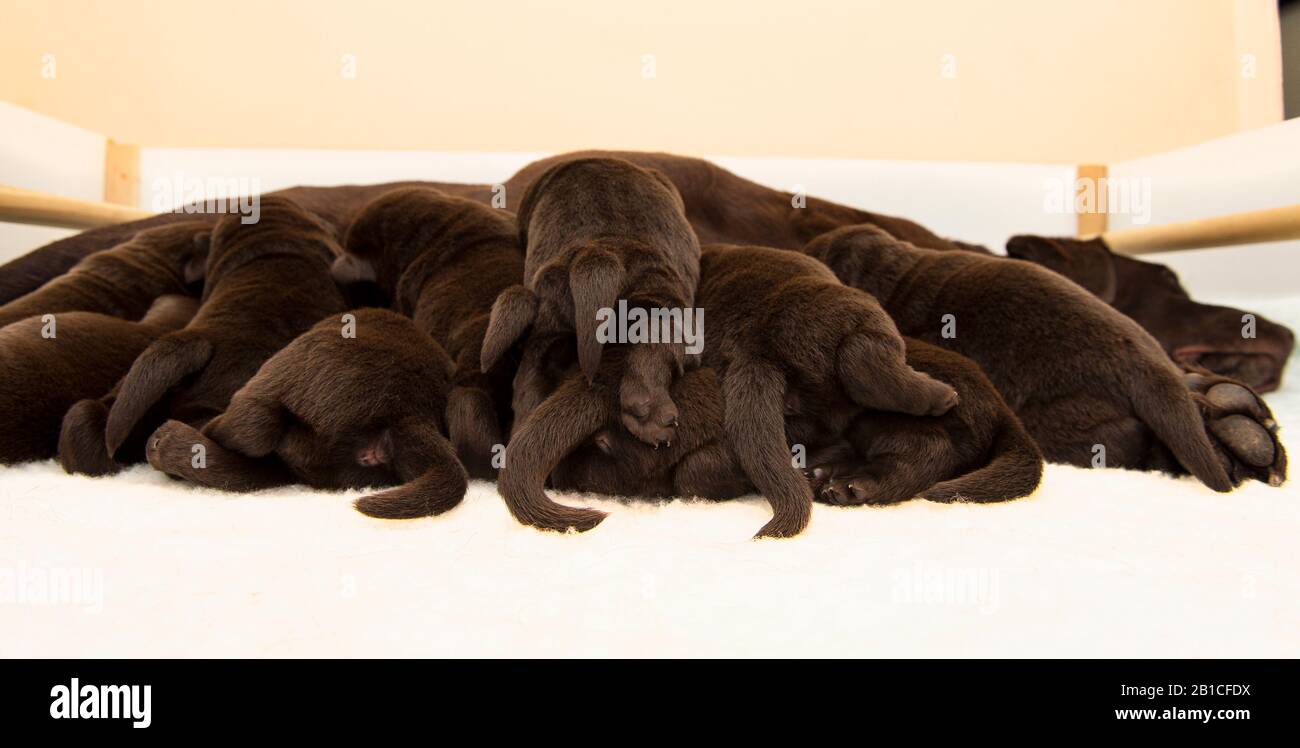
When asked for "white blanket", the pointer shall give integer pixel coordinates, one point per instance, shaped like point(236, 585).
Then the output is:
point(1096, 563)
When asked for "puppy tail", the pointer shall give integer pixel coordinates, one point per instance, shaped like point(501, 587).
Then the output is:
point(1014, 471)
point(81, 440)
point(439, 488)
point(1168, 409)
point(754, 397)
point(513, 313)
point(595, 279)
point(558, 425)
point(161, 367)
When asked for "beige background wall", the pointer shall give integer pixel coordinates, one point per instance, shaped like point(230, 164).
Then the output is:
point(1018, 80)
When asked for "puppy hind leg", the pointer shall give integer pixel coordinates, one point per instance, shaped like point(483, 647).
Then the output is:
point(754, 421)
point(875, 375)
point(900, 457)
point(179, 450)
point(647, 408)
point(81, 440)
point(252, 425)
point(162, 366)
point(473, 427)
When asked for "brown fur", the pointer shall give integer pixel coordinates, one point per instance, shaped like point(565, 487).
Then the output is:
point(1150, 293)
point(723, 207)
point(595, 231)
point(1078, 373)
point(798, 352)
point(442, 261)
point(40, 378)
point(577, 432)
point(266, 283)
point(318, 409)
point(978, 451)
point(123, 281)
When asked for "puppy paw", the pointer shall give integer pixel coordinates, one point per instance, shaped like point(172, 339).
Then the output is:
point(82, 448)
point(1240, 425)
point(942, 398)
point(649, 415)
point(171, 449)
point(887, 481)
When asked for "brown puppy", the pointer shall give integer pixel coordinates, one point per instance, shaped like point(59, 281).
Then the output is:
point(442, 261)
point(1218, 338)
point(266, 283)
point(1089, 384)
point(723, 207)
point(978, 451)
point(577, 432)
point(123, 281)
point(336, 409)
point(575, 437)
point(799, 353)
point(48, 363)
point(598, 232)
point(336, 206)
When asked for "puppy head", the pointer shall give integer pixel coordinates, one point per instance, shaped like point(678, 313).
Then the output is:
point(1151, 295)
point(1086, 262)
point(857, 255)
point(391, 231)
point(181, 247)
point(281, 227)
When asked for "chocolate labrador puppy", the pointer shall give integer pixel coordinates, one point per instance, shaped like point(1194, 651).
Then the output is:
point(978, 451)
point(723, 207)
point(318, 409)
point(442, 261)
point(576, 438)
point(1090, 385)
point(125, 280)
point(577, 431)
point(267, 282)
point(601, 233)
point(48, 363)
point(798, 352)
point(1218, 338)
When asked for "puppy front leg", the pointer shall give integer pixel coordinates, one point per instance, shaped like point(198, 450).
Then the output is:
point(435, 479)
point(180, 451)
point(754, 420)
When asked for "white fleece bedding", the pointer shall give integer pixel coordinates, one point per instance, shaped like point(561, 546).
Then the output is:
point(1096, 563)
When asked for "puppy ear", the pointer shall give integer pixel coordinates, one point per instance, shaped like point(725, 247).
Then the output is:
point(350, 269)
point(1086, 262)
point(512, 314)
point(196, 264)
point(595, 279)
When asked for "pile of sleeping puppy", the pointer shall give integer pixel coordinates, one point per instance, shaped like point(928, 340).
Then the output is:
point(415, 336)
